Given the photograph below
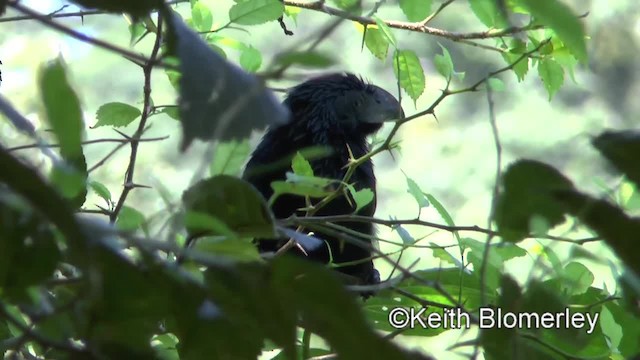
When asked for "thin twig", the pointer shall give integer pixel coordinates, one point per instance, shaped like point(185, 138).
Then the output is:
point(81, 14)
point(54, 15)
point(147, 69)
point(437, 12)
point(88, 142)
point(496, 189)
point(295, 220)
point(44, 19)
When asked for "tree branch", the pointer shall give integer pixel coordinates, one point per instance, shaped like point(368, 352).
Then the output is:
point(81, 14)
point(146, 111)
point(46, 20)
point(88, 142)
point(295, 220)
point(411, 26)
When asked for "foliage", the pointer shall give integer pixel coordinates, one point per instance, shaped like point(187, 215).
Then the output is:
point(129, 284)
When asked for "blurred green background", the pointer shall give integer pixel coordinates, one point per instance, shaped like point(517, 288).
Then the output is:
point(453, 158)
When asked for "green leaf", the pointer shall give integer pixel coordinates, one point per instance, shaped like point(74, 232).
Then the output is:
point(116, 114)
point(539, 225)
point(302, 189)
point(310, 180)
point(301, 166)
point(612, 330)
point(624, 331)
point(517, 46)
point(416, 10)
point(136, 30)
point(443, 212)
point(198, 222)
point(552, 75)
point(406, 237)
point(237, 249)
point(218, 50)
point(488, 12)
point(62, 108)
point(386, 31)
point(416, 192)
point(250, 59)
point(577, 278)
point(375, 41)
point(621, 148)
point(409, 73)
point(234, 202)
point(101, 190)
point(558, 16)
point(441, 253)
point(527, 189)
point(256, 12)
point(493, 263)
point(362, 198)
point(229, 157)
point(496, 84)
point(351, 5)
point(174, 78)
point(305, 59)
point(165, 346)
point(632, 201)
point(553, 259)
point(566, 60)
point(129, 219)
point(171, 111)
point(292, 12)
point(226, 41)
point(70, 179)
point(509, 251)
point(201, 17)
point(444, 63)
point(521, 68)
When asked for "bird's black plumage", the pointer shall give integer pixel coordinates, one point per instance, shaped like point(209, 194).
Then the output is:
point(338, 112)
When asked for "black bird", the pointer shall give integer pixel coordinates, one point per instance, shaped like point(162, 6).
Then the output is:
point(338, 112)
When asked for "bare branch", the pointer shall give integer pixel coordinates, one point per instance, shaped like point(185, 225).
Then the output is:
point(46, 20)
point(294, 220)
point(146, 111)
point(81, 14)
point(88, 142)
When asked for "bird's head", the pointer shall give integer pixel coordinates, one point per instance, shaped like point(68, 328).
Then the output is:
point(344, 102)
